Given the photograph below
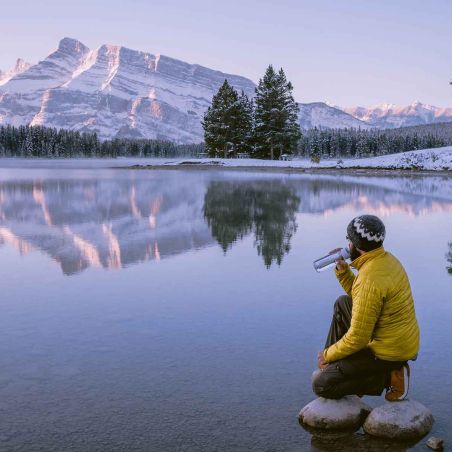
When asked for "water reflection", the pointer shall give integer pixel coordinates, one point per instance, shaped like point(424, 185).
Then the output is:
point(101, 223)
point(108, 221)
point(214, 336)
point(234, 209)
point(449, 259)
point(331, 442)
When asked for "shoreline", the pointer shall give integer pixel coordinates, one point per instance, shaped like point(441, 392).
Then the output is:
point(291, 170)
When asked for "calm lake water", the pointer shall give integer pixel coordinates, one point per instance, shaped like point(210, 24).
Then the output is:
point(179, 310)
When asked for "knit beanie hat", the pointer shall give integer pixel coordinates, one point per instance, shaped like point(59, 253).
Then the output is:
point(366, 232)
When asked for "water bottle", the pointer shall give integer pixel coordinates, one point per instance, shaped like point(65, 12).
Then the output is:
point(329, 260)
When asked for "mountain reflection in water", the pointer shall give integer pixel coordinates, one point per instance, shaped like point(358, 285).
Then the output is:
point(101, 223)
point(112, 222)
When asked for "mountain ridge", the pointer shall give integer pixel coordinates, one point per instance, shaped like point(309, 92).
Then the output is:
point(120, 92)
point(392, 115)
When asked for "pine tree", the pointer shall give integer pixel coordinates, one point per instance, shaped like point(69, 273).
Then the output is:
point(244, 125)
point(27, 147)
point(315, 150)
point(276, 116)
point(362, 149)
point(220, 121)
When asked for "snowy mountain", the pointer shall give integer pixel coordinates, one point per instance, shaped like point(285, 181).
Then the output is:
point(114, 91)
point(319, 114)
point(119, 92)
point(392, 116)
point(18, 68)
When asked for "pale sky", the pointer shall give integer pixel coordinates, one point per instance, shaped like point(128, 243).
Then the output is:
point(346, 52)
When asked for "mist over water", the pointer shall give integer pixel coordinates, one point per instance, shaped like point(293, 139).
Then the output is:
point(159, 310)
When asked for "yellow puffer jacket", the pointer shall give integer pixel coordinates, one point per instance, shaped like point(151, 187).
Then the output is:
point(383, 316)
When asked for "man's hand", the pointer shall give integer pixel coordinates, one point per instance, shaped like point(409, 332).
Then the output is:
point(341, 265)
point(321, 361)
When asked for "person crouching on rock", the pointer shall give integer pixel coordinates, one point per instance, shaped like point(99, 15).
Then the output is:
point(374, 331)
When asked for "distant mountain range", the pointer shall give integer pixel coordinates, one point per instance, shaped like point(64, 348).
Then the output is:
point(119, 92)
point(391, 116)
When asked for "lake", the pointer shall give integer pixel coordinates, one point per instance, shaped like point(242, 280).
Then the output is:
point(179, 310)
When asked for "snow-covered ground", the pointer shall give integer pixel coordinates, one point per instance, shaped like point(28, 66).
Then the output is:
point(436, 159)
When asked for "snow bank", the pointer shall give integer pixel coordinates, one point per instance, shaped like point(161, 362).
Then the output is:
point(435, 159)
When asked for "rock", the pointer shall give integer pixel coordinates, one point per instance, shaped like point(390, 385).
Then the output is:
point(347, 413)
point(435, 443)
point(402, 420)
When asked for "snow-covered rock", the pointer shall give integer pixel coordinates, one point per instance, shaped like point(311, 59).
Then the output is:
point(347, 413)
point(391, 116)
point(402, 420)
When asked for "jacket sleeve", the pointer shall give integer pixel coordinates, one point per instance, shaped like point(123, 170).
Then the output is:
point(367, 304)
point(346, 278)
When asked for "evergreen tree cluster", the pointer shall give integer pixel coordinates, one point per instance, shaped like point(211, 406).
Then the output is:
point(316, 143)
point(320, 143)
point(31, 141)
point(265, 128)
point(228, 122)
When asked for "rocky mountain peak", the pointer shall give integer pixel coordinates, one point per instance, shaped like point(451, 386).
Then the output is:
point(72, 46)
point(19, 67)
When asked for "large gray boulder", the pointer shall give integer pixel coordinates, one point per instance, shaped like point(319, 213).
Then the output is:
point(402, 420)
point(347, 413)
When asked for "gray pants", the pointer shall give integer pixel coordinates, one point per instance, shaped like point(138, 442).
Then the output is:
point(361, 373)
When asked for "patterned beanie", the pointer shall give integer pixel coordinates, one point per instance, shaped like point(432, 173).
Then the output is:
point(366, 232)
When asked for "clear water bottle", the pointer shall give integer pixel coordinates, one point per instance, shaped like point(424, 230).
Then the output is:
point(329, 260)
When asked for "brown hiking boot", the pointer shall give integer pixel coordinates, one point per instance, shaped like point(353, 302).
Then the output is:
point(400, 382)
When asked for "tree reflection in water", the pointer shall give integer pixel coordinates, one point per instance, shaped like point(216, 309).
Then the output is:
point(266, 208)
point(449, 259)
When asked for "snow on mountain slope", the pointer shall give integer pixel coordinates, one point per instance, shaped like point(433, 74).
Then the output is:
point(22, 97)
point(18, 68)
point(319, 114)
point(391, 116)
point(114, 91)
